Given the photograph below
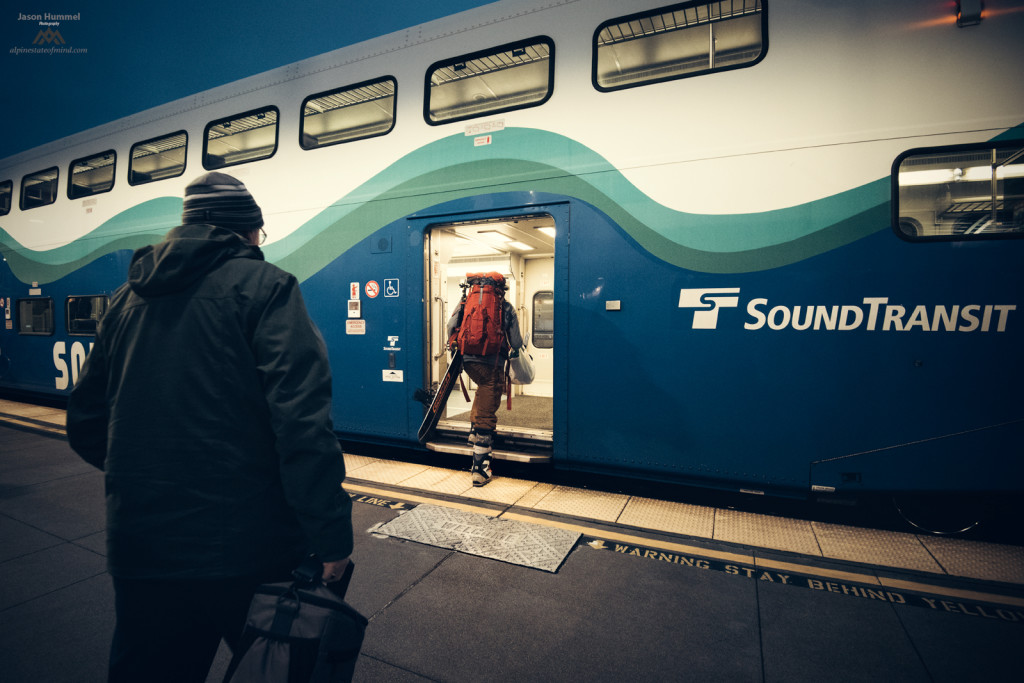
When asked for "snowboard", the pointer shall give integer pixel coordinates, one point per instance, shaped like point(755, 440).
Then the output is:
point(444, 390)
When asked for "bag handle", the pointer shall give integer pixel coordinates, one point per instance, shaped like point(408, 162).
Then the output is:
point(311, 570)
point(340, 587)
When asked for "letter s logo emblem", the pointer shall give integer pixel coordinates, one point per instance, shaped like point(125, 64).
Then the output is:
point(708, 301)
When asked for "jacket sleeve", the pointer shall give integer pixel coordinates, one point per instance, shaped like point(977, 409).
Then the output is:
point(291, 358)
point(455, 320)
point(512, 333)
point(88, 413)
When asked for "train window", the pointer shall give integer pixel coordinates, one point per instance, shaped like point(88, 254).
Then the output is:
point(158, 158)
point(83, 313)
point(679, 41)
point(513, 76)
point(960, 193)
point(39, 189)
point(240, 139)
point(544, 320)
point(6, 193)
point(35, 317)
point(91, 175)
point(355, 112)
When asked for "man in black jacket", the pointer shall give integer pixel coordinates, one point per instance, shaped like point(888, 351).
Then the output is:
point(206, 401)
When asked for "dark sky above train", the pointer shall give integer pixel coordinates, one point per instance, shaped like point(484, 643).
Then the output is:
point(69, 65)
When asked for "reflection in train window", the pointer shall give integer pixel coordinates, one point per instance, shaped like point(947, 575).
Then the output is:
point(962, 192)
point(39, 189)
point(683, 40)
point(544, 320)
point(240, 139)
point(84, 313)
point(352, 113)
point(6, 195)
point(513, 76)
point(92, 175)
point(35, 316)
point(158, 158)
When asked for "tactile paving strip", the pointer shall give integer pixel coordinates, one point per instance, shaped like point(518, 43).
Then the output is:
point(871, 546)
point(354, 462)
point(976, 559)
point(528, 545)
point(441, 481)
point(388, 472)
point(676, 518)
point(501, 490)
point(583, 503)
point(765, 531)
point(53, 416)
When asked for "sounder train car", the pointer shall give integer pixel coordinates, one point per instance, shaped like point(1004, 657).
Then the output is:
point(768, 245)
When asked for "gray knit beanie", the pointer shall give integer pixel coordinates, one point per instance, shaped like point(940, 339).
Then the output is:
point(221, 200)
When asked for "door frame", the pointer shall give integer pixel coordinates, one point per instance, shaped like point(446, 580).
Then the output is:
point(560, 212)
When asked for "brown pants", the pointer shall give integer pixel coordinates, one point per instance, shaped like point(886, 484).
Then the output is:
point(490, 381)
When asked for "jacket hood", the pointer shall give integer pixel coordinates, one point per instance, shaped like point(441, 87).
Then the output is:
point(187, 253)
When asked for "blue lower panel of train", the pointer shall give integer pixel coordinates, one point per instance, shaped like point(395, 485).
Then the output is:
point(863, 367)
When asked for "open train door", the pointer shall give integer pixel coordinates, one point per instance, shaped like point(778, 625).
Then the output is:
point(522, 248)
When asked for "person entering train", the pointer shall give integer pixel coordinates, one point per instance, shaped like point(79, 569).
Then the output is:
point(485, 327)
point(206, 401)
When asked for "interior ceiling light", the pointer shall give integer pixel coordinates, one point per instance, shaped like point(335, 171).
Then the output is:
point(953, 175)
point(493, 235)
point(520, 246)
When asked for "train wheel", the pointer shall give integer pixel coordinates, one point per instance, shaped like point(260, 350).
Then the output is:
point(941, 515)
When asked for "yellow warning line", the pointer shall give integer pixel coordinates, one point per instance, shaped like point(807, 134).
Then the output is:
point(739, 558)
point(32, 424)
point(636, 540)
point(707, 553)
point(765, 563)
point(383, 493)
point(853, 577)
point(952, 592)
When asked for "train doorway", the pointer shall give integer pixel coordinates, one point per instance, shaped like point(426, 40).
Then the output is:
point(522, 248)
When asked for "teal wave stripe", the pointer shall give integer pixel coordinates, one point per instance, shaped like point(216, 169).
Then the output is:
point(518, 160)
point(527, 160)
point(133, 228)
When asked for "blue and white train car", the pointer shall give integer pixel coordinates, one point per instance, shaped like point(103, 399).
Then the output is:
point(770, 245)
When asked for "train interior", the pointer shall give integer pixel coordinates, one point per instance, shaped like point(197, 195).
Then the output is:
point(968, 192)
point(522, 248)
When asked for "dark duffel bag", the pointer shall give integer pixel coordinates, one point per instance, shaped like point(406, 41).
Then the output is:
point(299, 632)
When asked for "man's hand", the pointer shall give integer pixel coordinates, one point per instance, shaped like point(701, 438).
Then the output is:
point(333, 571)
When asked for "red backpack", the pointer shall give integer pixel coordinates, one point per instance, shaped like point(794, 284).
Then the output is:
point(481, 332)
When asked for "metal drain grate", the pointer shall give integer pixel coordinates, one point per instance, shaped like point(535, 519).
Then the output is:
point(528, 545)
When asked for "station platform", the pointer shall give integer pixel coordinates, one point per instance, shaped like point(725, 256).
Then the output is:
point(526, 580)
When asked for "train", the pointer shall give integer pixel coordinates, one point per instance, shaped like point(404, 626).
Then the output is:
point(770, 246)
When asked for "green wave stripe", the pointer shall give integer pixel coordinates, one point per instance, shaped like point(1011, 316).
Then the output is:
point(532, 160)
point(519, 159)
point(133, 228)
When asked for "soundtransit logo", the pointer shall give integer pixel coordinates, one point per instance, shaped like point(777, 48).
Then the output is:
point(48, 39)
point(870, 314)
point(707, 302)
